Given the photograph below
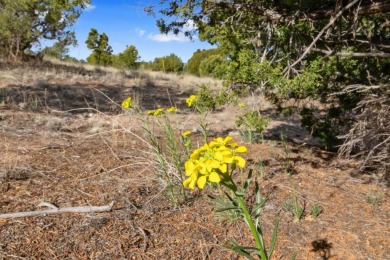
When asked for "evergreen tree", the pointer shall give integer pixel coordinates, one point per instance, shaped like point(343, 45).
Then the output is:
point(26, 22)
point(101, 50)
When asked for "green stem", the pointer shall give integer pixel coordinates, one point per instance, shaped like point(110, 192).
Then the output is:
point(204, 126)
point(252, 227)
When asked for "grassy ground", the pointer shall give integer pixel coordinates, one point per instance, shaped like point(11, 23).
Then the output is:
point(65, 141)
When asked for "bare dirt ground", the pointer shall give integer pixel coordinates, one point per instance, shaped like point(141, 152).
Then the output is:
point(63, 140)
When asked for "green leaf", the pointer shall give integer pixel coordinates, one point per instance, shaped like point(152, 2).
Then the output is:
point(259, 206)
point(240, 193)
point(227, 208)
point(231, 199)
point(240, 250)
point(248, 179)
point(274, 237)
point(294, 254)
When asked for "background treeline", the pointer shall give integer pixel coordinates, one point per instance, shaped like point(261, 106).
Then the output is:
point(205, 63)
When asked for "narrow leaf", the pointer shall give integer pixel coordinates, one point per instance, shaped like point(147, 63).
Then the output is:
point(274, 237)
point(239, 250)
point(259, 206)
point(248, 179)
point(240, 193)
point(227, 208)
point(294, 255)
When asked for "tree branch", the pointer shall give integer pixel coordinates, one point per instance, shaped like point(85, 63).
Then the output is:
point(352, 54)
point(331, 22)
point(55, 210)
point(366, 8)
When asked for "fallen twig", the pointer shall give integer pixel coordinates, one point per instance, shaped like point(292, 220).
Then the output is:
point(55, 210)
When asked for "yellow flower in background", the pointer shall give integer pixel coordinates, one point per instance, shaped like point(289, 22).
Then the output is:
point(158, 112)
point(190, 101)
point(242, 105)
point(186, 133)
point(172, 110)
point(127, 103)
point(150, 112)
point(209, 162)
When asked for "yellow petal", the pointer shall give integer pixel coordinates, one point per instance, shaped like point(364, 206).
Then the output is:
point(242, 149)
point(187, 182)
point(227, 139)
point(186, 133)
point(233, 145)
point(218, 156)
point(202, 168)
point(239, 161)
point(212, 164)
point(214, 177)
point(218, 140)
point(192, 184)
point(202, 182)
point(213, 144)
point(189, 168)
point(228, 159)
point(223, 168)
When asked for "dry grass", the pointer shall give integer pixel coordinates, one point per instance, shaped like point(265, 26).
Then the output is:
point(141, 77)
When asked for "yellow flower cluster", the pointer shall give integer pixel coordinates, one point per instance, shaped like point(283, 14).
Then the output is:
point(172, 110)
point(190, 101)
point(127, 103)
point(242, 105)
point(211, 160)
point(160, 111)
point(186, 133)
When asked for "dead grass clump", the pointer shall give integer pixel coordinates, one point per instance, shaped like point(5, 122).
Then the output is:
point(369, 138)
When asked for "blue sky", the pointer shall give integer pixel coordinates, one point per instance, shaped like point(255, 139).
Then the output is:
point(126, 23)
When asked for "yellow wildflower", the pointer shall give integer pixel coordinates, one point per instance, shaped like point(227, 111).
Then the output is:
point(127, 103)
point(172, 110)
point(150, 112)
point(208, 162)
point(190, 101)
point(242, 105)
point(158, 112)
point(186, 133)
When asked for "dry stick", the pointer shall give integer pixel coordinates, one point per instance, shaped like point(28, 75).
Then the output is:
point(55, 210)
point(331, 22)
point(353, 54)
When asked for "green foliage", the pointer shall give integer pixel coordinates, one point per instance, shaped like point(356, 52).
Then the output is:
point(24, 23)
point(59, 50)
point(316, 210)
point(374, 198)
point(213, 66)
point(207, 101)
point(170, 63)
point(194, 63)
point(269, 45)
point(101, 50)
point(126, 59)
point(253, 125)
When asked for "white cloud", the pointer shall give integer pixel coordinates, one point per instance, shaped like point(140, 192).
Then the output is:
point(190, 25)
point(140, 32)
point(168, 37)
point(89, 7)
